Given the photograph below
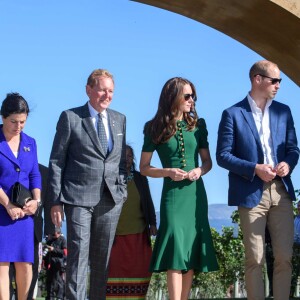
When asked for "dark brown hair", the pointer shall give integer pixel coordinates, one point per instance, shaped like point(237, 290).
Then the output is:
point(163, 126)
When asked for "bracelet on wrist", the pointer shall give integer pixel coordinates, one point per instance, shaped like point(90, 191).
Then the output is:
point(39, 203)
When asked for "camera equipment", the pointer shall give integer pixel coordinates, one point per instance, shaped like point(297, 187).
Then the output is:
point(45, 250)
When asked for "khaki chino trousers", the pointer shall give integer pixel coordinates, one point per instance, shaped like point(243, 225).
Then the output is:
point(275, 210)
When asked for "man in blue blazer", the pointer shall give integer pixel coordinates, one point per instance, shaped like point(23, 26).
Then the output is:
point(87, 182)
point(257, 143)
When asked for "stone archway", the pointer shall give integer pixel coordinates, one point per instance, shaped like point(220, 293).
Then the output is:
point(269, 27)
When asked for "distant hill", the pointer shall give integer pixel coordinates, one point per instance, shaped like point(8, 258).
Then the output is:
point(219, 215)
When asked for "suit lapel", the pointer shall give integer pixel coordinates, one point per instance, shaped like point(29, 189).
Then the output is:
point(112, 128)
point(25, 147)
point(275, 132)
point(273, 121)
point(5, 150)
point(90, 129)
point(247, 113)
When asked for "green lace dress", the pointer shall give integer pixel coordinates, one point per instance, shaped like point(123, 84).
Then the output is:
point(184, 239)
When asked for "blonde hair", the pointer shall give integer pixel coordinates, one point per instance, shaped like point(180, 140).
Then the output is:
point(93, 78)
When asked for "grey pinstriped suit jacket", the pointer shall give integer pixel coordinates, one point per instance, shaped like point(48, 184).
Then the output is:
point(78, 168)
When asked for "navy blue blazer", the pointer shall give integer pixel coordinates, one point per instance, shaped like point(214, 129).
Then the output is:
point(239, 149)
point(24, 168)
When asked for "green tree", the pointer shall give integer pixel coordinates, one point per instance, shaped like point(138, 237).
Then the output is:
point(230, 254)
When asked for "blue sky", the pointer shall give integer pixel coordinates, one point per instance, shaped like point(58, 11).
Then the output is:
point(49, 48)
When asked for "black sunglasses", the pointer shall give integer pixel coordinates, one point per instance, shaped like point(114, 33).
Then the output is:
point(273, 80)
point(188, 96)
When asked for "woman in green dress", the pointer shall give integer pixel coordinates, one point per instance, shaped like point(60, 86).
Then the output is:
point(183, 244)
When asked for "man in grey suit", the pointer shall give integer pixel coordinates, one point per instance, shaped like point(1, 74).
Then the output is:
point(87, 182)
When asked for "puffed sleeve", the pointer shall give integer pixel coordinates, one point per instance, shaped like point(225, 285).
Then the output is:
point(148, 146)
point(203, 133)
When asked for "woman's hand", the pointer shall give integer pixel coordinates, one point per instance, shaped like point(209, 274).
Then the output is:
point(177, 174)
point(194, 174)
point(14, 212)
point(153, 230)
point(31, 207)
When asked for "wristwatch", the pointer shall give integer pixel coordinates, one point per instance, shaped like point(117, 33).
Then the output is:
point(39, 204)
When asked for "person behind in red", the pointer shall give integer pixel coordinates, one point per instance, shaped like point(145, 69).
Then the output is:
point(129, 275)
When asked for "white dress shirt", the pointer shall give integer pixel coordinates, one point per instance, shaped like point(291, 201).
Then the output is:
point(94, 116)
point(262, 122)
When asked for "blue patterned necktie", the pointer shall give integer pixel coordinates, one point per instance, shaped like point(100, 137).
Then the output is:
point(102, 134)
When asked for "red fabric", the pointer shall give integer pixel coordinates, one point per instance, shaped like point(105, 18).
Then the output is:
point(130, 256)
point(128, 269)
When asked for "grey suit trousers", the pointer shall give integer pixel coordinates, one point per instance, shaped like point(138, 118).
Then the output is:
point(91, 232)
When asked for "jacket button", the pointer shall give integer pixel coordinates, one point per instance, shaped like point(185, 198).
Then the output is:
point(18, 169)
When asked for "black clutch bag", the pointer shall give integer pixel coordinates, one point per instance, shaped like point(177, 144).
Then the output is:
point(20, 195)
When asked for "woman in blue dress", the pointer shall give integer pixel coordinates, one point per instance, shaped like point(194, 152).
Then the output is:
point(184, 243)
point(18, 163)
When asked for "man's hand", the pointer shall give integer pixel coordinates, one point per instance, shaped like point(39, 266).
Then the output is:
point(51, 248)
point(57, 215)
point(282, 169)
point(265, 172)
